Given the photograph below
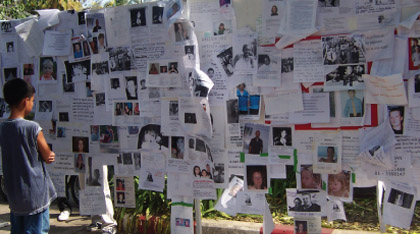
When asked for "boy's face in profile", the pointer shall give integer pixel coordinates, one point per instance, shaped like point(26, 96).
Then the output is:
point(29, 104)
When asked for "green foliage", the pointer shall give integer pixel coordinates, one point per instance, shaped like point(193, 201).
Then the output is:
point(10, 9)
point(149, 204)
point(121, 2)
point(17, 9)
point(279, 186)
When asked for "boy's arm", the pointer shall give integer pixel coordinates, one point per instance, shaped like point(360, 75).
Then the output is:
point(47, 155)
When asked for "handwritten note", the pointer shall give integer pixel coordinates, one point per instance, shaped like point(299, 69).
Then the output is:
point(388, 90)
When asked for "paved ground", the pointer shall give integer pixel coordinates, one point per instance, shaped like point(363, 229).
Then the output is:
point(76, 223)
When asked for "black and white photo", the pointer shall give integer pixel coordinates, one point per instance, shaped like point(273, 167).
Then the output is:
point(343, 49)
point(226, 61)
point(10, 73)
point(138, 17)
point(120, 59)
point(282, 136)
point(45, 106)
point(400, 198)
point(345, 77)
point(173, 108)
point(131, 87)
point(232, 111)
point(190, 118)
point(157, 13)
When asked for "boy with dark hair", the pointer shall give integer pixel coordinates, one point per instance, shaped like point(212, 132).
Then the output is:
point(28, 186)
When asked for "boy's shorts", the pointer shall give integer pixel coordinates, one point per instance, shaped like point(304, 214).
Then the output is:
point(37, 223)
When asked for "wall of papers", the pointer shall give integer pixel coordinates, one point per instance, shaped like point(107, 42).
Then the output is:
point(221, 94)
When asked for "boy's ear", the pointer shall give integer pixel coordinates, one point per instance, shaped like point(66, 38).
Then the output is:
point(23, 102)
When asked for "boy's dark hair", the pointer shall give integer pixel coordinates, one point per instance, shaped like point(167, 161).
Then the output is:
point(15, 90)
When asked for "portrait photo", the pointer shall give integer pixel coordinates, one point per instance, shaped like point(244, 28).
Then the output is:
point(150, 137)
point(79, 163)
point(301, 227)
point(232, 111)
point(81, 18)
point(282, 136)
point(131, 87)
point(100, 68)
point(339, 184)
point(352, 102)
point(190, 118)
point(77, 71)
point(95, 22)
point(137, 160)
point(100, 99)
point(222, 27)
point(63, 116)
point(219, 173)
point(327, 154)
point(80, 144)
point(157, 13)
point(255, 138)
point(77, 50)
point(138, 17)
point(189, 52)
point(47, 69)
point(256, 177)
point(264, 62)
point(226, 60)
point(10, 73)
point(120, 185)
point(177, 147)
point(115, 83)
point(173, 108)
point(246, 59)
point(154, 69)
point(274, 10)
point(287, 65)
point(309, 179)
point(196, 85)
point(94, 133)
point(417, 84)
point(28, 72)
point(61, 132)
point(200, 145)
point(173, 68)
point(127, 159)
point(396, 119)
point(414, 53)
point(10, 47)
point(120, 198)
point(128, 108)
point(163, 69)
point(181, 31)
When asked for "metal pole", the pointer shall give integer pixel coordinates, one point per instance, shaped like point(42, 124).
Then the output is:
point(198, 229)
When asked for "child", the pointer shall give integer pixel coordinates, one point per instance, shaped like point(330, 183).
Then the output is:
point(338, 185)
point(47, 70)
point(26, 180)
point(309, 180)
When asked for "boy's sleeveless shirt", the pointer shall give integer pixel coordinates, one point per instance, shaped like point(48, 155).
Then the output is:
point(27, 183)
